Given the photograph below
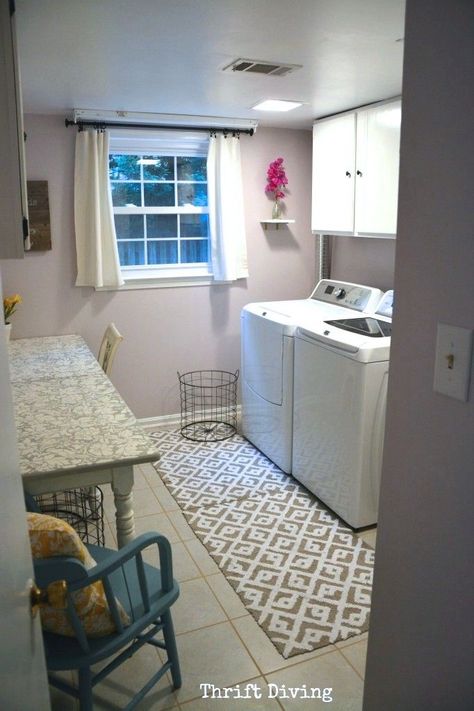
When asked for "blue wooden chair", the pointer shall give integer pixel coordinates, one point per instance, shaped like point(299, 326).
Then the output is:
point(145, 592)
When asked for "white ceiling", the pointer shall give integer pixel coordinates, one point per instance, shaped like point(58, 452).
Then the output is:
point(167, 56)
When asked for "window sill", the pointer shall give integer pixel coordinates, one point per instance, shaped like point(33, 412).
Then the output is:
point(163, 283)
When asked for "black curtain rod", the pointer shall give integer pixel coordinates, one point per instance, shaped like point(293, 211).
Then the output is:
point(101, 125)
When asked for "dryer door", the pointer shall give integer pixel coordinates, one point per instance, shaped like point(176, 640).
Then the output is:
point(262, 356)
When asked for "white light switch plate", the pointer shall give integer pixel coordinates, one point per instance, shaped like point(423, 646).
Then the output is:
point(453, 361)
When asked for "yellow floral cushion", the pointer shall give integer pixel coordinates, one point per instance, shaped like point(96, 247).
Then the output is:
point(49, 537)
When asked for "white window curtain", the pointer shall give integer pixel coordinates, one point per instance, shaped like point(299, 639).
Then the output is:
point(226, 209)
point(96, 245)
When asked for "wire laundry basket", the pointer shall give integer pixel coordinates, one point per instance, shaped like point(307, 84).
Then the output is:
point(208, 404)
point(83, 509)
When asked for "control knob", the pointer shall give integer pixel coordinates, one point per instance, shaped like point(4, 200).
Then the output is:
point(340, 293)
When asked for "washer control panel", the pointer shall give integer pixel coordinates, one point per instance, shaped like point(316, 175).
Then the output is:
point(352, 296)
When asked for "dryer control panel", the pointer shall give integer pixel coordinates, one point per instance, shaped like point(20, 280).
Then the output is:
point(352, 296)
point(385, 308)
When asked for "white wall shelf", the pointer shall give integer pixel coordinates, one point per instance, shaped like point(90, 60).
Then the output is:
point(277, 223)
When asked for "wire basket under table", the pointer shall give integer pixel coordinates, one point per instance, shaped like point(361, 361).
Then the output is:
point(83, 509)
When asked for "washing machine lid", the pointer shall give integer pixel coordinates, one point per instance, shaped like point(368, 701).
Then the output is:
point(353, 341)
point(364, 326)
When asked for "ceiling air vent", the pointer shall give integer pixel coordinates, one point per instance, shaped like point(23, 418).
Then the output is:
point(257, 66)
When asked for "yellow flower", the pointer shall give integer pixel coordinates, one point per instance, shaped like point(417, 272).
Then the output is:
point(9, 305)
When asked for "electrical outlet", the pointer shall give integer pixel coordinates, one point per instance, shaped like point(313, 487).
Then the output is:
point(453, 361)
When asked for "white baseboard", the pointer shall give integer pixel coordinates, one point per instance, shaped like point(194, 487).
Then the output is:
point(151, 423)
point(172, 421)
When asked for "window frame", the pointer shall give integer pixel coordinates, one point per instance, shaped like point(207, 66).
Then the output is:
point(164, 143)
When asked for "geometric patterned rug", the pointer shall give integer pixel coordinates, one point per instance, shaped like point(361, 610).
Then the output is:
point(302, 574)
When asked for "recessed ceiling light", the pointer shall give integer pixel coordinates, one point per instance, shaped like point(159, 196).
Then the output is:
point(276, 105)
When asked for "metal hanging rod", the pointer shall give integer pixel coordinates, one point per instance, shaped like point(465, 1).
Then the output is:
point(101, 125)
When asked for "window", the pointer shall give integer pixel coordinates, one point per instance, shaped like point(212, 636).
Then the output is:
point(159, 197)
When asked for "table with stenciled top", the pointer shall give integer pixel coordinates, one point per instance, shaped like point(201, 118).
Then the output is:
point(74, 429)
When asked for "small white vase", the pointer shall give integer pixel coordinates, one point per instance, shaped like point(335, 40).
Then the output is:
point(276, 210)
point(8, 331)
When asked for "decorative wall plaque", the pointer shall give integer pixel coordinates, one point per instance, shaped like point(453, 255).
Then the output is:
point(38, 215)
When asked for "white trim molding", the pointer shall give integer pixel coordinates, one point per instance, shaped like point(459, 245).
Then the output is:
point(172, 421)
point(151, 423)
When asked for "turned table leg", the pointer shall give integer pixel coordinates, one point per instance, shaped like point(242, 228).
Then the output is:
point(122, 484)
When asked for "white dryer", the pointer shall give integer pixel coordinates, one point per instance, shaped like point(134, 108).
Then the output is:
point(267, 341)
point(340, 390)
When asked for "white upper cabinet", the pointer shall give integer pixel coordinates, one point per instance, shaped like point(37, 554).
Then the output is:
point(355, 172)
point(377, 161)
point(13, 199)
point(334, 147)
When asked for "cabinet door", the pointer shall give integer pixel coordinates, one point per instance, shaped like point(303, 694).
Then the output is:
point(377, 161)
point(333, 175)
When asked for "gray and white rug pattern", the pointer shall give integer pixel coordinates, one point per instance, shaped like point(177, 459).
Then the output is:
point(303, 575)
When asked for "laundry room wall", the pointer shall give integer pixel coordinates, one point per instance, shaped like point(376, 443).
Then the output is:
point(166, 329)
point(420, 647)
point(363, 260)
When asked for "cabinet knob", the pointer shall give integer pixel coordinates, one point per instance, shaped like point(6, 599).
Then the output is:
point(348, 174)
point(359, 173)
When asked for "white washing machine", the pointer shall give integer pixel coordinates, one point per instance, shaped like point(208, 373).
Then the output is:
point(267, 340)
point(340, 391)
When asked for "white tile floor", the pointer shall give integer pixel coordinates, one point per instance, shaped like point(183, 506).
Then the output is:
point(218, 641)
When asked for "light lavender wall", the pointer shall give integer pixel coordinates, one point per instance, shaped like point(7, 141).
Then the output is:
point(420, 644)
point(169, 329)
point(363, 260)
